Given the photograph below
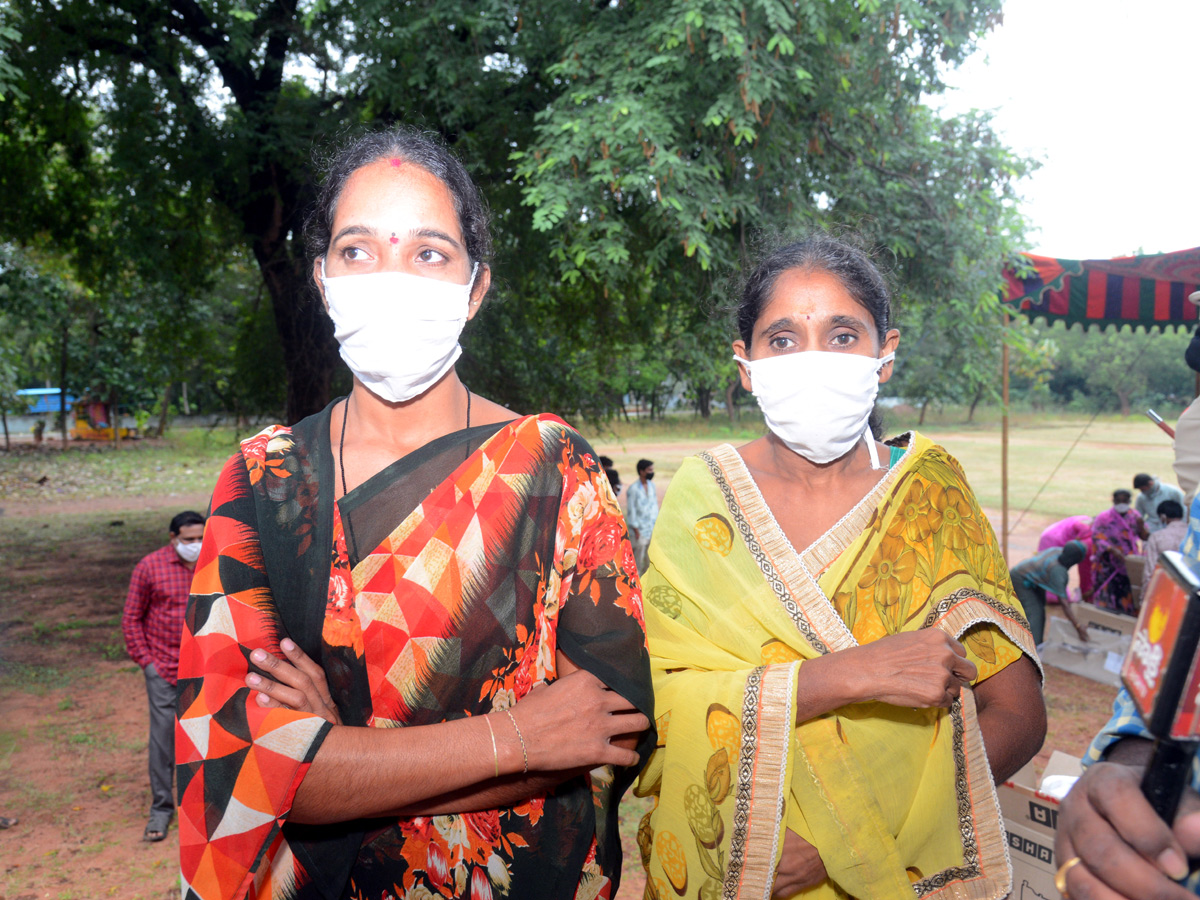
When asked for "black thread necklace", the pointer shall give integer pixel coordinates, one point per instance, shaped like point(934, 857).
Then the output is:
point(342, 437)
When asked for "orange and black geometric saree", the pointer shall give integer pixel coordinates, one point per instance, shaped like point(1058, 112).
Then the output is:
point(440, 588)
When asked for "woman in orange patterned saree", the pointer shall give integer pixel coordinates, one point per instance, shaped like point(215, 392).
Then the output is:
point(414, 662)
point(840, 666)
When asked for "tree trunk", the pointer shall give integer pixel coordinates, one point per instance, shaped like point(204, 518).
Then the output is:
point(309, 351)
point(730, 403)
point(114, 417)
point(924, 406)
point(166, 407)
point(183, 398)
point(975, 403)
point(4, 418)
point(704, 402)
point(1124, 397)
point(62, 385)
point(272, 212)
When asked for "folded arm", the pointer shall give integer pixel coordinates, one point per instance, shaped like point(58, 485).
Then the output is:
point(564, 730)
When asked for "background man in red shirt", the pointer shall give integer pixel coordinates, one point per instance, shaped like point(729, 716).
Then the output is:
point(153, 624)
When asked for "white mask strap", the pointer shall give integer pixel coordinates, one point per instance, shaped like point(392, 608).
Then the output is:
point(872, 450)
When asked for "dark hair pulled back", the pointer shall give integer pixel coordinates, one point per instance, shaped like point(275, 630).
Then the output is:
point(419, 148)
point(820, 253)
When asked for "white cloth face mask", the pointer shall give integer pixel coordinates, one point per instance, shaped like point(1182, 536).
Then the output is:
point(189, 552)
point(818, 402)
point(397, 332)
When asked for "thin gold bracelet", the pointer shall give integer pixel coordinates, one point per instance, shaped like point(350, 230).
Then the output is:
point(495, 752)
point(520, 737)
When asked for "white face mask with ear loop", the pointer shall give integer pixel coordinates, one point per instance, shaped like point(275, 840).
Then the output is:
point(397, 332)
point(189, 552)
point(818, 402)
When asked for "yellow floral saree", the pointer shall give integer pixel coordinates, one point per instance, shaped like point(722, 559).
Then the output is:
point(899, 802)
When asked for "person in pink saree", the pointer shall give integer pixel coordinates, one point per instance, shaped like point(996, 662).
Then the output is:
point(1074, 528)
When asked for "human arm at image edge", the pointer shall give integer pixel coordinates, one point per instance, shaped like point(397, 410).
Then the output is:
point(1106, 820)
point(133, 619)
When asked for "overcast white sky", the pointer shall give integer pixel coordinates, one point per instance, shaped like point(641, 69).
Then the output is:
point(1107, 95)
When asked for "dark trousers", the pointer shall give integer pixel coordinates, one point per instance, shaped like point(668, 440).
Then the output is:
point(161, 694)
point(1033, 599)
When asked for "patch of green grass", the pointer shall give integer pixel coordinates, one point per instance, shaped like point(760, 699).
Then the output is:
point(186, 462)
point(98, 846)
point(36, 680)
point(35, 797)
point(70, 630)
point(85, 737)
point(65, 704)
point(1093, 460)
point(9, 741)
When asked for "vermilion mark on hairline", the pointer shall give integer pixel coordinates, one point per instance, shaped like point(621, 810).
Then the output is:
point(395, 162)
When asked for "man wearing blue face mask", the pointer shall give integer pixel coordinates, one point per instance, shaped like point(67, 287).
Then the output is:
point(152, 625)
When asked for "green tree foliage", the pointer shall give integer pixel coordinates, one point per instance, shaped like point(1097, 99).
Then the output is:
point(687, 130)
point(1120, 369)
point(36, 303)
point(632, 152)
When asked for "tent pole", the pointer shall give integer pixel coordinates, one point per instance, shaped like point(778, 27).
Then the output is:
point(1004, 443)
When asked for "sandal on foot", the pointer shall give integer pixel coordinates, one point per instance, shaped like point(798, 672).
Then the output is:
point(8, 821)
point(156, 830)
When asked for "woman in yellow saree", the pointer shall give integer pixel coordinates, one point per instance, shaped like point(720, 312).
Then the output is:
point(840, 666)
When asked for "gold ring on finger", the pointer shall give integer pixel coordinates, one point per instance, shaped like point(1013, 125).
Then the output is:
point(1060, 877)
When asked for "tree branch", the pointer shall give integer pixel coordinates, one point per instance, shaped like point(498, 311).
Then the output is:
point(197, 26)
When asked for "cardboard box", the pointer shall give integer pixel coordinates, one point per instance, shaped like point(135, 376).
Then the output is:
point(1135, 568)
point(1031, 820)
point(1033, 865)
point(1109, 636)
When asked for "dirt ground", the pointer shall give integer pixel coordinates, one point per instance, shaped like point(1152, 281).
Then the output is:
point(73, 717)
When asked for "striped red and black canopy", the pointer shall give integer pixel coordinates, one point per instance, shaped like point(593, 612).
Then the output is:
point(1141, 291)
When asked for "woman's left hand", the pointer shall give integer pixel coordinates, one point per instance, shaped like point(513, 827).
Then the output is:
point(296, 683)
point(799, 868)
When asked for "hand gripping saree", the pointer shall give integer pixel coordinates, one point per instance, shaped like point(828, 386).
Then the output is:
point(899, 802)
point(440, 588)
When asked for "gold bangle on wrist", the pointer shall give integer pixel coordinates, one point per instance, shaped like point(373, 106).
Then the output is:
point(495, 752)
point(520, 737)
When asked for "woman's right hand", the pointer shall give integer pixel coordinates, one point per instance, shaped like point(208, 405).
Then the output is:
point(571, 724)
point(919, 669)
